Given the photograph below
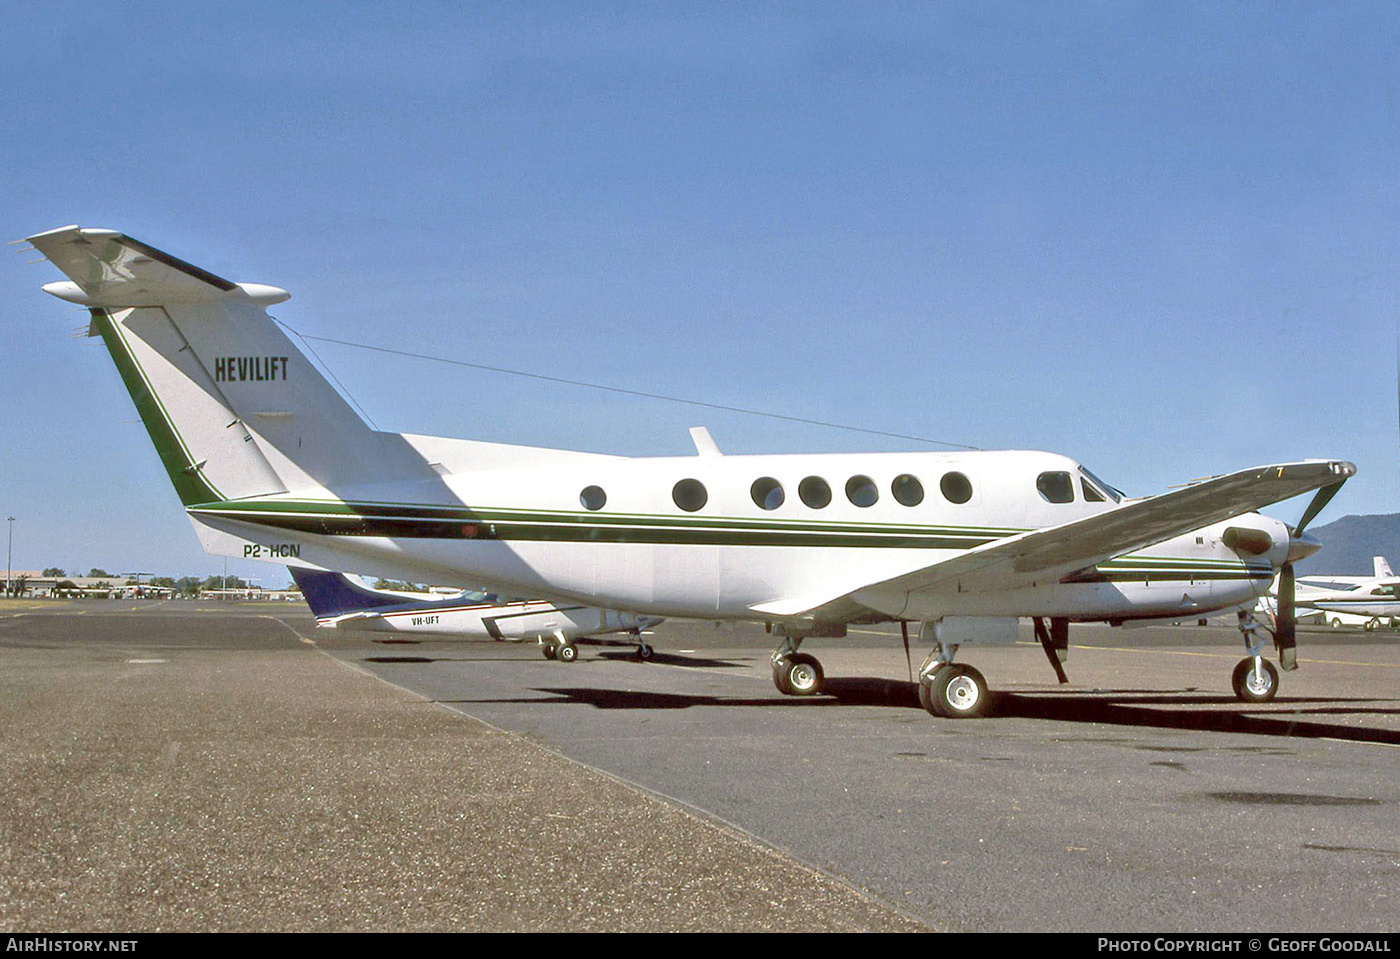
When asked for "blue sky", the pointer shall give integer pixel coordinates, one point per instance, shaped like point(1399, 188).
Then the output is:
point(1160, 238)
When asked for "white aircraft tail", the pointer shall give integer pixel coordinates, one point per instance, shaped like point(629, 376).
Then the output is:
point(234, 408)
point(1382, 568)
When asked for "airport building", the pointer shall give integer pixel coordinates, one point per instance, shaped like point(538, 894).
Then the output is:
point(34, 584)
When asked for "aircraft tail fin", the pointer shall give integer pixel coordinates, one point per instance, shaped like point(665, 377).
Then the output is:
point(234, 408)
point(1382, 568)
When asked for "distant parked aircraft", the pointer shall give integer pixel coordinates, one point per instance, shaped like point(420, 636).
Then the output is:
point(339, 602)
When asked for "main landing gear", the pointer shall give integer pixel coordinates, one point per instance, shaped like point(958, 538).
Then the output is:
point(946, 689)
point(952, 690)
point(561, 648)
point(794, 673)
point(1255, 679)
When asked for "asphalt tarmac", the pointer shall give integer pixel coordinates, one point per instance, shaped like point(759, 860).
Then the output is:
point(200, 766)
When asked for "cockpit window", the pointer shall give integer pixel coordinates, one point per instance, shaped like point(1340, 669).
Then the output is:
point(1101, 486)
point(1056, 486)
point(1090, 491)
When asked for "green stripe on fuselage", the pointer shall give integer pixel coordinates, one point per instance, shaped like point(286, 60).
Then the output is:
point(404, 521)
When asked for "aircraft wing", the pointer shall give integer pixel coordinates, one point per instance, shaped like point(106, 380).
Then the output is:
point(1049, 554)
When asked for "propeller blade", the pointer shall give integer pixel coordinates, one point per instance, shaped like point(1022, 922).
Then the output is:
point(1285, 623)
point(904, 629)
point(1053, 641)
point(1323, 497)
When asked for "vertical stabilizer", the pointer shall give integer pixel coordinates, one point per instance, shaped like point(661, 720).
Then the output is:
point(234, 408)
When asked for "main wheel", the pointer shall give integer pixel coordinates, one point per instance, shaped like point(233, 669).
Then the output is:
point(926, 692)
point(956, 692)
point(780, 671)
point(804, 675)
point(549, 650)
point(644, 652)
point(566, 653)
point(1252, 687)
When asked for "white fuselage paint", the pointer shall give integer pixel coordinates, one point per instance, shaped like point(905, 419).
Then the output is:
point(731, 555)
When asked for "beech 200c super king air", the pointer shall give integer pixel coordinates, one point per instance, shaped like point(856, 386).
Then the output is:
point(338, 602)
point(272, 464)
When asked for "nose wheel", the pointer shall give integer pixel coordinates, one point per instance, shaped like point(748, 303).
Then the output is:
point(1255, 680)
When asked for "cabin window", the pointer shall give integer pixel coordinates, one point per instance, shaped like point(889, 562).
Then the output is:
point(862, 491)
point(907, 490)
point(955, 487)
point(690, 495)
point(1055, 486)
point(814, 491)
point(767, 493)
point(593, 497)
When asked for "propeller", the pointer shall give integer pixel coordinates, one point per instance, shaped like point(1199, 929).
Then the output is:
point(1299, 547)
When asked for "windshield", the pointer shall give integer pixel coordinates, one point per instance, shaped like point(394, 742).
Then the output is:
point(1109, 491)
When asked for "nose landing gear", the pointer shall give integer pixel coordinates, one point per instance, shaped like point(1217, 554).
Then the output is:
point(1255, 680)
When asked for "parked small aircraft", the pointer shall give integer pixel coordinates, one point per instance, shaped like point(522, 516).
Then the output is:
point(1364, 600)
point(272, 464)
point(338, 602)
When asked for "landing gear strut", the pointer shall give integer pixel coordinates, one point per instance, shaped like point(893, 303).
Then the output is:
point(644, 650)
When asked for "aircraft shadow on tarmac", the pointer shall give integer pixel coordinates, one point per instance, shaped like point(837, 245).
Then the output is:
point(689, 660)
point(1133, 707)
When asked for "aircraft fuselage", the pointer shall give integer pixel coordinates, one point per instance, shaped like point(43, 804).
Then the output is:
point(769, 526)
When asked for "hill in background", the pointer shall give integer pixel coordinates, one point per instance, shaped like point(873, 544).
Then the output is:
point(1349, 543)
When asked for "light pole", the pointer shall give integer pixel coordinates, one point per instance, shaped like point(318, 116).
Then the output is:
point(9, 553)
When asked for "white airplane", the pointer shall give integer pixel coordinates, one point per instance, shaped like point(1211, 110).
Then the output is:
point(1373, 600)
point(272, 464)
point(338, 602)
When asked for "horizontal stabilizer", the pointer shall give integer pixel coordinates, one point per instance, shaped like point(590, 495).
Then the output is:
point(234, 408)
point(109, 270)
point(335, 594)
